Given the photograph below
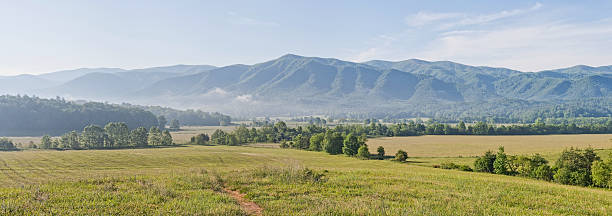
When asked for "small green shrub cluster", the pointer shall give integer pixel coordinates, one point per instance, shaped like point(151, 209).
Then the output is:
point(200, 139)
point(574, 167)
point(401, 156)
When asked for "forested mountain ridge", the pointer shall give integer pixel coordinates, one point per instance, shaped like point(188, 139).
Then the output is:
point(292, 76)
point(293, 83)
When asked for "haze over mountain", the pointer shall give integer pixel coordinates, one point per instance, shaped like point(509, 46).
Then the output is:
point(320, 84)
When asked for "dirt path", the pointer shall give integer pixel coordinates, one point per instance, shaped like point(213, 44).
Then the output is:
point(250, 207)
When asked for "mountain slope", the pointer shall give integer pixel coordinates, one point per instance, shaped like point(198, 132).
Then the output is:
point(327, 84)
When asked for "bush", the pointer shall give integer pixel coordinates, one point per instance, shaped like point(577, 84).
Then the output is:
point(449, 165)
point(574, 167)
point(380, 152)
point(500, 165)
point(601, 174)
point(485, 163)
point(284, 144)
point(401, 156)
point(543, 172)
point(363, 152)
point(464, 168)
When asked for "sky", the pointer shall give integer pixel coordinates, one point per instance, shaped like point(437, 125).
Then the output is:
point(45, 36)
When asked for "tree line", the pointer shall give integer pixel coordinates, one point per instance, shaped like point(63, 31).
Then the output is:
point(580, 167)
point(299, 137)
point(6, 145)
point(503, 110)
point(112, 136)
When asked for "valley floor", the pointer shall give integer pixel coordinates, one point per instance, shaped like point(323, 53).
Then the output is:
point(194, 180)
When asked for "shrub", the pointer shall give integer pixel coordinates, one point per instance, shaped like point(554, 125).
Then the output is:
point(574, 166)
point(485, 163)
point(543, 172)
point(380, 152)
point(601, 172)
point(449, 165)
point(500, 165)
point(464, 168)
point(401, 156)
point(363, 152)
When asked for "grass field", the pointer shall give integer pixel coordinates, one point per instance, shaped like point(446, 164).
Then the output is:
point(186, 132)
point(455, 146)
point(190, 181)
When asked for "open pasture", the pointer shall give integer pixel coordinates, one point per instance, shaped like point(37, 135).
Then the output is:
point(466, 146)
point(190, 180)
point(186, 132)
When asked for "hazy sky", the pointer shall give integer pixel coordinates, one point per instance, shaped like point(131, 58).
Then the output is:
point(46, 36)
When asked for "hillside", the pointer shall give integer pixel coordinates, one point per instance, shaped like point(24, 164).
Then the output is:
point(32, 116)
point(298, 84)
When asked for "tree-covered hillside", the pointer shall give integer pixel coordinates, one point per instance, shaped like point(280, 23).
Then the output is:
point(187, 117)
point(24, 115)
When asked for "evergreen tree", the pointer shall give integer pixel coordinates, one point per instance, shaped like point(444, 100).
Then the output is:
point(500, 165)
point(380, 152)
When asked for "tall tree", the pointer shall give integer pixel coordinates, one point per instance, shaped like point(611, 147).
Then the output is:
point(70, 140)
point(139, 137)
point(351, 145)
point(154, 138)
point(316, 142)
point(45, 142)
point(93, 137)
point(333, 143)
point(119, 134)
point(166, 138)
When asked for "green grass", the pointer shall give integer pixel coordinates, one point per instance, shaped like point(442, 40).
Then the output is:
point(188, 181)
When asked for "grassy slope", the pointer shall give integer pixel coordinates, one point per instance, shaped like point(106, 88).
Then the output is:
point(186, 180)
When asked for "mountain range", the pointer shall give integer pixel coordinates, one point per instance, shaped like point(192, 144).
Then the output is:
point(318, 83)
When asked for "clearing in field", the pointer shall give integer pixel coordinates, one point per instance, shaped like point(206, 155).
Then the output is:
point(192, 180)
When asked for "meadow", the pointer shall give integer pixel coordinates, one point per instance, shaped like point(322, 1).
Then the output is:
point(466, 146)
point(198, 180)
